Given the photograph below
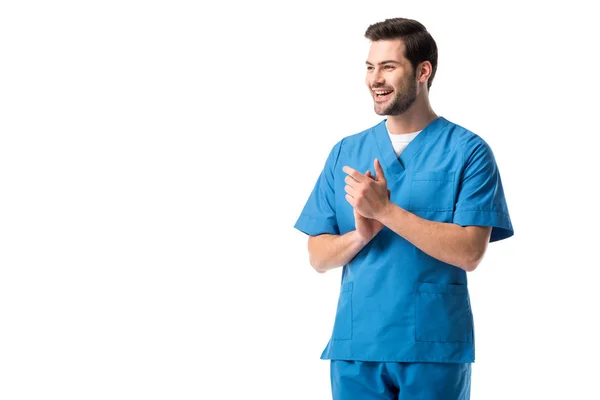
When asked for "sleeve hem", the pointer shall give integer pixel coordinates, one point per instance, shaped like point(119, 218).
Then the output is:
point(315, 226)
point(498, 220)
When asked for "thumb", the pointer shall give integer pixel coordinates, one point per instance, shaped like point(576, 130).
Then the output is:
point(379, 171)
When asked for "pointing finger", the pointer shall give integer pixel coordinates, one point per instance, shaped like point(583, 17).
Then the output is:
point(353, 173)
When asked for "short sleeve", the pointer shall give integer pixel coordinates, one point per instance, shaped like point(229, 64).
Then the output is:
point(480, 199)
point(318, 215)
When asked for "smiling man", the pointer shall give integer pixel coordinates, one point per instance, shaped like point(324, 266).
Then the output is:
point(406, 234)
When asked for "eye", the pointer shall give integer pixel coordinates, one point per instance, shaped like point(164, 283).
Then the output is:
point(389, 67)
point(369, 68)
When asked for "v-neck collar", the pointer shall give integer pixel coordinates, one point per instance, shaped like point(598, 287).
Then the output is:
point(394, 165)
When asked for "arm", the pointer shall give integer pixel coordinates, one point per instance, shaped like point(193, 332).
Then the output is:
point(329, 251)
point(453, 244)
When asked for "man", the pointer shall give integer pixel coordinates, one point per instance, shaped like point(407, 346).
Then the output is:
point(406, 235)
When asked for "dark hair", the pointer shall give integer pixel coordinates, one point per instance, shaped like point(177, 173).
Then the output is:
point(419, 44)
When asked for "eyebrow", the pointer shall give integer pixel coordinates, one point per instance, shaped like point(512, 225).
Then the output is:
point(385, 62)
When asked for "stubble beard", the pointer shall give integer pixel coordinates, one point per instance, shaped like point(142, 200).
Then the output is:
point(402, 101)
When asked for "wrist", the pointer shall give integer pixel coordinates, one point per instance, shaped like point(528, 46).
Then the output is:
point(360, 240)
point(386, 213)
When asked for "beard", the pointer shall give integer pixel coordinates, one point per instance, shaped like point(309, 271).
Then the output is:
point(402, 102)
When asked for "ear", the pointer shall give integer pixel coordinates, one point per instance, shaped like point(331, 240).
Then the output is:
point(424, 71)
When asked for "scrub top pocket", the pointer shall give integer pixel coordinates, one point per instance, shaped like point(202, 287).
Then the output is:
point(432, 190)
point(443, 313)
point(342, 328)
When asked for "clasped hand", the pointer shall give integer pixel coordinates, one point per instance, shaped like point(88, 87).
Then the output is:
point(368, 195)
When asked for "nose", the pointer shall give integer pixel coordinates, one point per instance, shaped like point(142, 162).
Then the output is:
point(378, 79)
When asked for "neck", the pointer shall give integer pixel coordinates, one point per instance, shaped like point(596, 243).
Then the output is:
point(417, 117)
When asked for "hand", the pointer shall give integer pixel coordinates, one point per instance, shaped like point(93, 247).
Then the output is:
point(367, 228)
point(368, 196)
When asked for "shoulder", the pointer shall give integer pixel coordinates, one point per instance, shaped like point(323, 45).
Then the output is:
point(467, 142)
point(462, 134)
point(359, 138)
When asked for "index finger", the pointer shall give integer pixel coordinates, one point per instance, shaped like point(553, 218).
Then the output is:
point(353, 173)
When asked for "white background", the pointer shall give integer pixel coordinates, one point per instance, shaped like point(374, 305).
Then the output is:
point(154, 157)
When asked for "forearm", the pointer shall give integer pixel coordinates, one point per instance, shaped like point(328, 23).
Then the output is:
point(447, 242)
point(330, 251)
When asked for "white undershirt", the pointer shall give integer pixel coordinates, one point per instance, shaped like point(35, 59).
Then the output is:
point(401, 140)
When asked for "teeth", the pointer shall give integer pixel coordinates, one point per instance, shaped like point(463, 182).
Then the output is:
point(380, 92)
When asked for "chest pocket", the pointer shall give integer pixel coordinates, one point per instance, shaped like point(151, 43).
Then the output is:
point(432, 191)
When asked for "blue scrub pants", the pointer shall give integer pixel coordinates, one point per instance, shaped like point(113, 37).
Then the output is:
point(362, 380)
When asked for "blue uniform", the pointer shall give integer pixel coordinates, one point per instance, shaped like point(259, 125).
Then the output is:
point(365, 380)
point(396, 303)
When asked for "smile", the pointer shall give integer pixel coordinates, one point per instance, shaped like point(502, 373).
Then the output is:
point(382, 95)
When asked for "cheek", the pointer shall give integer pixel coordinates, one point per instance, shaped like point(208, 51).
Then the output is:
point(400, 84)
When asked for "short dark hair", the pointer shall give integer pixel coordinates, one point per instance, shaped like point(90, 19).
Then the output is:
point(419, 44)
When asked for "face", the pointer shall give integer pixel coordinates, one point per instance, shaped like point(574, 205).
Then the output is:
point(390, 77)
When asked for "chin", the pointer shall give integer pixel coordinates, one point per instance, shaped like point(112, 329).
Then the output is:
point(383, 111)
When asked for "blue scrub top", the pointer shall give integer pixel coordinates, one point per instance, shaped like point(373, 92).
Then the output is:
point(396, 303)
